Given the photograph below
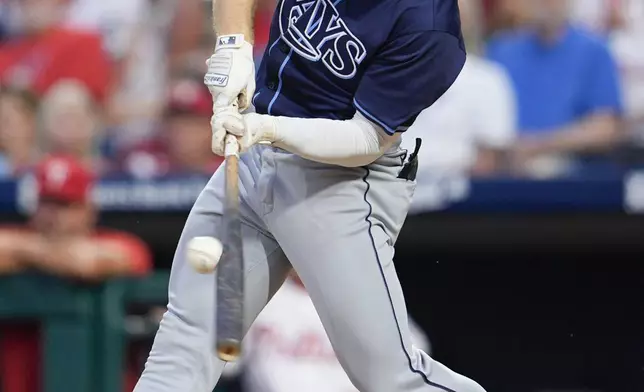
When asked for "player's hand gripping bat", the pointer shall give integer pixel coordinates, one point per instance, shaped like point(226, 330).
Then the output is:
point(230, 271)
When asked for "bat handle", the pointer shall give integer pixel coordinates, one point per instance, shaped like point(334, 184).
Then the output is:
point(231, 146)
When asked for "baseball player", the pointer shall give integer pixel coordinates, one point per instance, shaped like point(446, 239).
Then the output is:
point(339, 83)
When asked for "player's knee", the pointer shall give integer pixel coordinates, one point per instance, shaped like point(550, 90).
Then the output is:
point(371, 384)
point(374, 375)
point(441, 375)
point(468, 385)
point(417, 372)
point(179, 333)
point(182, 344)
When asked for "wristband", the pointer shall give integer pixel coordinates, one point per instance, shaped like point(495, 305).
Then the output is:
point(231, 41)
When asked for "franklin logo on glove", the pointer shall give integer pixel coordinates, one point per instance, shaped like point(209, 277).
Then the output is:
point(216, 80)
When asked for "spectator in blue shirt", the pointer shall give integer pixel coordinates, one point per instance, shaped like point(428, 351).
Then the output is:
point(567, 87)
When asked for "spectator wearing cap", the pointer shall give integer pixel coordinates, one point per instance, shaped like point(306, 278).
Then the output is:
point(18, 112)
point(567, 86)
point(44, 52)
point(183, 147)
point(61, 239)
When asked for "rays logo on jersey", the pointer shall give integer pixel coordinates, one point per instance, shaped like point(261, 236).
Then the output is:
point(315, 31)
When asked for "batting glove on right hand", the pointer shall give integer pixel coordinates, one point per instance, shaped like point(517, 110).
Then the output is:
point(231, 72)
point(250, 129)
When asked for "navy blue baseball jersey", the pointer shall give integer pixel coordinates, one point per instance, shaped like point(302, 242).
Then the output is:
point(388, 59)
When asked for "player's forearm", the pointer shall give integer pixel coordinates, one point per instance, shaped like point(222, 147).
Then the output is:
point(234, 17)
point(350, 143)
point(78, 260)
point(54, 258)
point(597, 132)
point(41, 255)
point(488, 161)
point(9, 262)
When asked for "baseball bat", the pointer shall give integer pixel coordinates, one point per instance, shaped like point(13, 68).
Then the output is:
point(230, 271)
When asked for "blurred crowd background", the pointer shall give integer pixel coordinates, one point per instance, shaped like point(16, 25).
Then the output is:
point(118, 84)
point(95, 88)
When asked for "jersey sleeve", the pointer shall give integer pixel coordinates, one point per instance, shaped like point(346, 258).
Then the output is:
point(408, 75)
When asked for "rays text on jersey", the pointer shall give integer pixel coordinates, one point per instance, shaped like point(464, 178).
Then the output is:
point(315, 30)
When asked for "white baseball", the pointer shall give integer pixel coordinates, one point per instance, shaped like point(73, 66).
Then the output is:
point(203, 254)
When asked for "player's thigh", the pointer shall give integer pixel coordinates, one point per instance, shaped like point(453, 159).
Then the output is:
point(191, 293)
point(338, 227)
point(356, 292)
point(182, 356)
point(338, 231)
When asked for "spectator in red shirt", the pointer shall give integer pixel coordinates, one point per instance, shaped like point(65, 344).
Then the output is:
point(184, 144)
point(61, 239)
point(45, 53)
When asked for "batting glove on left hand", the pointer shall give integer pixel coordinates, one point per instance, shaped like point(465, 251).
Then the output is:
point(231, 72)
point(250, 129)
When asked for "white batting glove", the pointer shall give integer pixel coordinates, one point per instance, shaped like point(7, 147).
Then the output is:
point(250, 129)
point(225, 120)
point(231, 72)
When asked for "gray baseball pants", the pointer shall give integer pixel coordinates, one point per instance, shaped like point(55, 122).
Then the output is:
point(337, 227)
